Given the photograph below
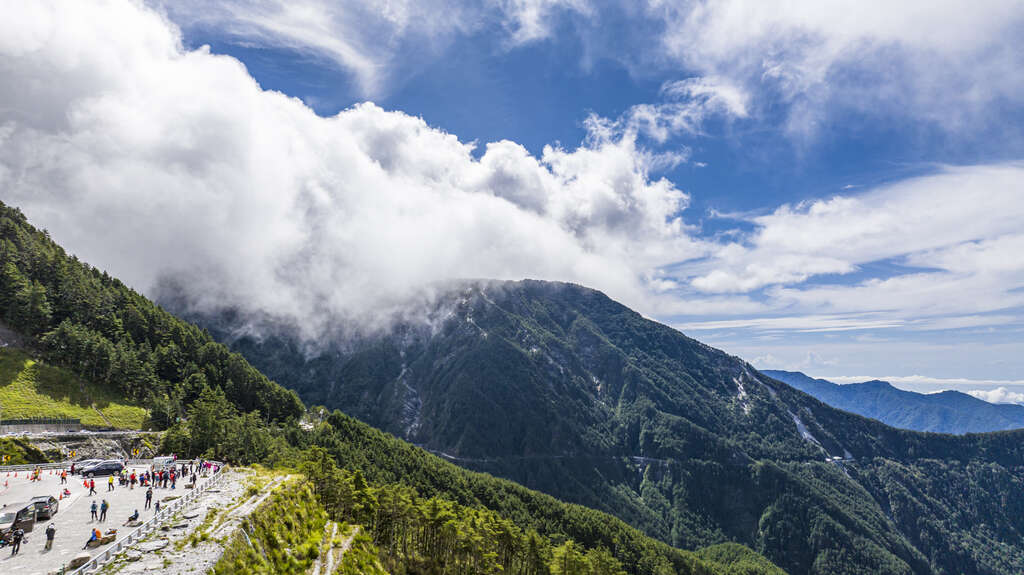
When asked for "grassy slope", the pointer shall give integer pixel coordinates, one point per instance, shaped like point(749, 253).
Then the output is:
point(21, 451)
point(32, 389)
point(287, 531)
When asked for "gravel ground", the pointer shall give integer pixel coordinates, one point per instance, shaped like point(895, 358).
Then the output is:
point(72, 521)
point(183, 554)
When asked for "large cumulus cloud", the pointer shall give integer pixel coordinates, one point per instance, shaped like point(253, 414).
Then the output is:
point(150, 160)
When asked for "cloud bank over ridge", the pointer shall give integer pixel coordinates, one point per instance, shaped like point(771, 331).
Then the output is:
point(149, 159)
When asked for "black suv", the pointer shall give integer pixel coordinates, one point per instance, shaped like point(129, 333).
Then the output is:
point(103, 468)
point(46, 506)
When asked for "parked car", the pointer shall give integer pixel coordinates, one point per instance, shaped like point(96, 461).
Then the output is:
point(103, 468)
point(46, 506)
point(80, 465)
point(14, 515)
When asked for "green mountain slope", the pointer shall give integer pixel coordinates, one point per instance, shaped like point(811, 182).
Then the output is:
point(216, 404)
point(564, 390)
point(945, 412)
point(31, 389)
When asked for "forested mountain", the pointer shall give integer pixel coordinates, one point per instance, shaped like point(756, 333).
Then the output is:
point(69, 314)
point(564, 390)
point(945, 412)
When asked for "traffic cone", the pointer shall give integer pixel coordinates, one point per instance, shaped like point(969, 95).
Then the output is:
point(60, 496)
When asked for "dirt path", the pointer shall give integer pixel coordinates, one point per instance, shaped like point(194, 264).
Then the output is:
point(334, 554)
point(330, 530)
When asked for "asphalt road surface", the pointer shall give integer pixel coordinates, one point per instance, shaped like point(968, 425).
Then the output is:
point(72, 521)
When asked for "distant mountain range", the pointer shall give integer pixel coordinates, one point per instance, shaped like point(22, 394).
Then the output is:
point(945, 412)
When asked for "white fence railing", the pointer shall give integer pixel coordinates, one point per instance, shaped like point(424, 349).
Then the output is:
point(121, 544)
point(5, 469)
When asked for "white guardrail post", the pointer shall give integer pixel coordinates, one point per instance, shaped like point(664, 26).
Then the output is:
point(142, 530)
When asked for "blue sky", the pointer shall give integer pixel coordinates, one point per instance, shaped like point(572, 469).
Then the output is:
point(830, 187)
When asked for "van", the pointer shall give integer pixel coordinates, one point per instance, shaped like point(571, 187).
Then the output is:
point(163, 463)
point(15, 515)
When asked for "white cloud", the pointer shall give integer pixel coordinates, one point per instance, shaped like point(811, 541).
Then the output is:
point(998, 395)
point(147, 159)
point(952, 241)
point(950, 382)
point(944, 64)
point(801, 323)
point(374, 40)
point(929, 220)
point(125, 145)
point(362, 37)
point(530, 20)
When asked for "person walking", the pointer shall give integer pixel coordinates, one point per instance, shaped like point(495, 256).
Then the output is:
point(103, 511)
point(93, 509)
point(92, 487)
point(50, 532)
point(149, 498)
point(16, 538)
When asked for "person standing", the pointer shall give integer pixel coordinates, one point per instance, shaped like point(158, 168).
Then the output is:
point(50, 532)
point(103, 511)
point(92, 487)
point(16, 538)
point(156, 508)
point(149, 498)
point(93, 508)
point(63, 476)
point(110, 483)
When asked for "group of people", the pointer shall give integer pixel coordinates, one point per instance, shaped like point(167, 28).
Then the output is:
point(17, 537)
point(149, 479)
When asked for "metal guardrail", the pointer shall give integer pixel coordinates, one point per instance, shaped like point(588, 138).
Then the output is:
point(31, 466)
point(41, 421)
point(66, 464)
point(121, 544)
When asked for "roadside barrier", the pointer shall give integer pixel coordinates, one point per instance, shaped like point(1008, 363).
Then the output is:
point(4, 469)
point(121, 544)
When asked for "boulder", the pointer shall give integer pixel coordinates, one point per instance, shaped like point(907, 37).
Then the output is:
point(150, 546)
point(78, 561)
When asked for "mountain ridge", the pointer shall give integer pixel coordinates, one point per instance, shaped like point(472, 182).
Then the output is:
point(216, 405)
point(562, 389)
point(948, 411)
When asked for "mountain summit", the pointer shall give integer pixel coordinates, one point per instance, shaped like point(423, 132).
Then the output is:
point(561, 388)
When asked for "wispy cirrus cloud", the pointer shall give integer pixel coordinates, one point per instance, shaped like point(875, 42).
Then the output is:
point(943, 65)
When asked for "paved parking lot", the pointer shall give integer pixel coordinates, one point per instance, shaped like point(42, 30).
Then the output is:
point(72, 521)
